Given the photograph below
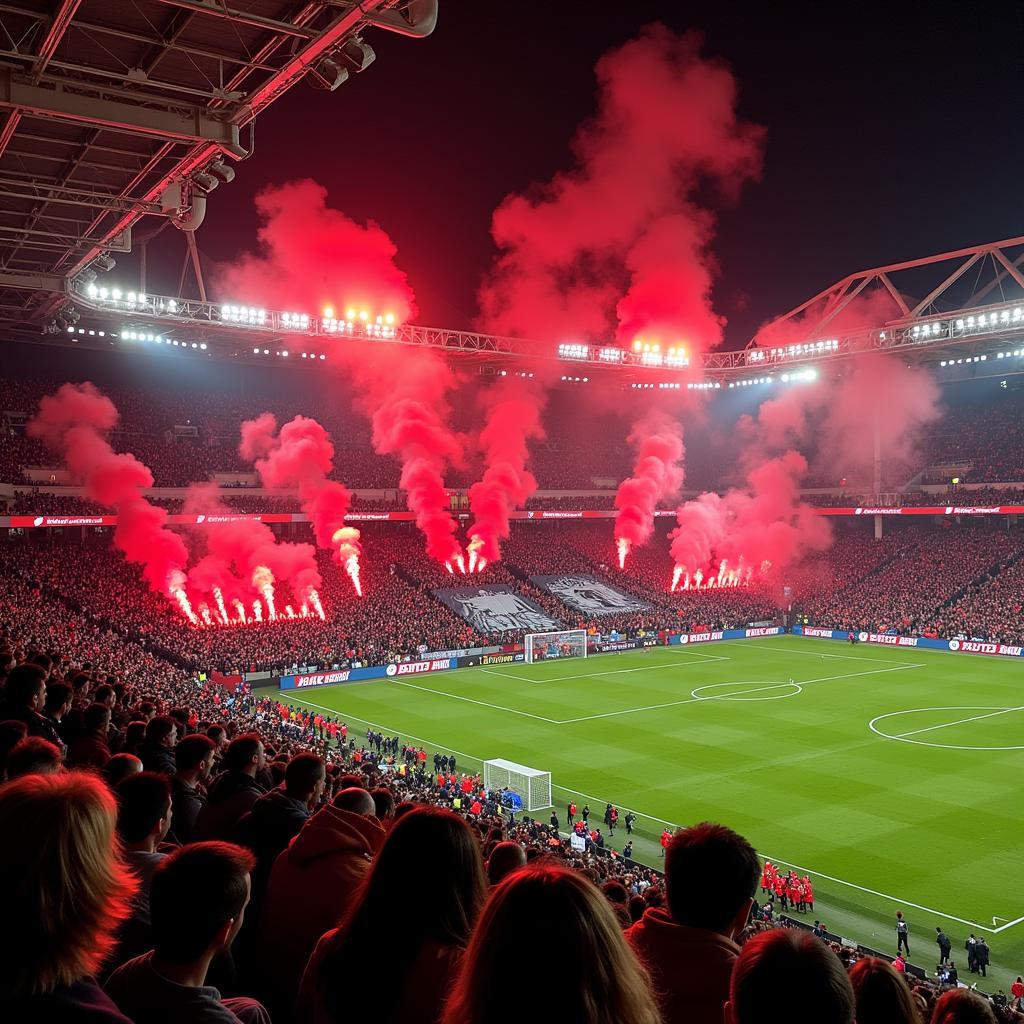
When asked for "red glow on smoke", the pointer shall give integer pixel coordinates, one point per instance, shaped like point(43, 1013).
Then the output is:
point(657, 475)
point(311, 255)
point(513, 420)
point(301, 456)
point(618, 243)
point(74, 422)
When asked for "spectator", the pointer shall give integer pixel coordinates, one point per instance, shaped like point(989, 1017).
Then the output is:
point(67, 892)
point(428, 877)
point(24, 699)
point(690, 947)
point(143, 819)
point(157, 750)
point(330, 857)
point(33, 756)
point(193, 758)
point(581, 966)
point(198, 904)
point(505, 858)
point(962, 1006)
point(90, 749)
point(789, 977)
point(59, 698)
point(278, 816)
point(119, 767)
point(235, 790)
point(881, 995)
point(12, 732)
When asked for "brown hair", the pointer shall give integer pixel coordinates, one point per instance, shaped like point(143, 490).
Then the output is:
point(959, 1006)
point(68, 887)
point(582, 971)
point(882, 996)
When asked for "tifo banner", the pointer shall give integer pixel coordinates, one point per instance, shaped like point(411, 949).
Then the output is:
point(927, 643)
point(589, 595)
point(495, 609)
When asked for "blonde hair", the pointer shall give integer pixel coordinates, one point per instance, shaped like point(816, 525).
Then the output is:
point(583, 971)
point(67, 886)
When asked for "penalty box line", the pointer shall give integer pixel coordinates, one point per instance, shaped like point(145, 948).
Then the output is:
point(674, 825)
point(612, 672)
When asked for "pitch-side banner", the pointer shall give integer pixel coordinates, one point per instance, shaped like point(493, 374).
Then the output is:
point(495, 609)
point(589, 595)
point(925, 642)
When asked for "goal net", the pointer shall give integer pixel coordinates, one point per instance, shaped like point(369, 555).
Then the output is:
point(566, 643)
point(529, 789)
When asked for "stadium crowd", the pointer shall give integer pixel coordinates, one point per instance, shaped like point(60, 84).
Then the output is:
point(189, 852)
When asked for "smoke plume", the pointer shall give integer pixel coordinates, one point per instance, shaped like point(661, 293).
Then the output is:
point(311, 256)
point(301, 456)
point(405, 395)
point(513, 420)
point(74, 422)
point(657, 474)
point(619, 243)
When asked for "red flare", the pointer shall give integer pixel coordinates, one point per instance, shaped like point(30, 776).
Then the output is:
point(257, 611)
point(349, 550)
point(314, 600)
point(623, 545)
point(240, 608)
point(289, 611)
point(263, 581)
point(461, 563)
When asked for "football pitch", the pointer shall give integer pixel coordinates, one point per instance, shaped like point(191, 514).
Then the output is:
point(891, 776)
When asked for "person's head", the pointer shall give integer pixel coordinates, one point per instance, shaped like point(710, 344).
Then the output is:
point(144, 808)
point(26, 687)
point(106, 694)
point(68, 888)
point(506, 857)
point(785, 960)
point(162, 731)
point(428, 875)
point(12, 732)
point(356, 801)
point(219, 735)
point(383, 803)
point(197, 901)
point(880, 994)
point(962, 1006)
point(899, 915)
point(119, 767)
point(58, 700)
point(304, 778)
point(245, 754)
point(195, 753)
point(33, 756)
point(582, 971)
point(728, 870)
point(96, 718)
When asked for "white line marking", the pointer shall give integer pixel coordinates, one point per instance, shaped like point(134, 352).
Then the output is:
point(470, 700)
point(902, 737)
point(672, 824)
point(613, 672)
point(806, 654)
point(962, 721)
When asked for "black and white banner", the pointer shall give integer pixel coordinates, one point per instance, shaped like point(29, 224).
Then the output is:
point(495, 609)
point(589, 595)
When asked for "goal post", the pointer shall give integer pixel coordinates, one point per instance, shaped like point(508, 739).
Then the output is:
point(530, 785)
point(563, 643)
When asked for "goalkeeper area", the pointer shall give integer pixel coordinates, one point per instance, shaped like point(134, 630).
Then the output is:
point(890, 775)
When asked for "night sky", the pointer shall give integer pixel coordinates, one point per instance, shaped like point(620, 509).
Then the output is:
point(892, 133)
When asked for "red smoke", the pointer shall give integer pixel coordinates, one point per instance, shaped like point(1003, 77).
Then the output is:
point(311, 256)
point(301, 456)
point(404, 392)
point(657, 474)
point(762, 529)
point(619, 238)
point(244, 557)
point(513, 419)
point(74, 422)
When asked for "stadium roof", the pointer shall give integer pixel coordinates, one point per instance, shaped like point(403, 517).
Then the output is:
point(112, 111)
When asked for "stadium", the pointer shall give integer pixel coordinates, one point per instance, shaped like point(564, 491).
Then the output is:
point(676, 586)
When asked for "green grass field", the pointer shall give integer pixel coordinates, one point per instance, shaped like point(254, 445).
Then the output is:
point(891, 776)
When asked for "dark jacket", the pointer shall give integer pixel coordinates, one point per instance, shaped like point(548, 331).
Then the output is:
point(230, 796)
point(267, 829)
point(156, 758)
point(186, 803)
point(83, 1002)
point(88, 751)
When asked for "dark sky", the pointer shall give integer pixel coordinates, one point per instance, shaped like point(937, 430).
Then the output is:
point(893, 132)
